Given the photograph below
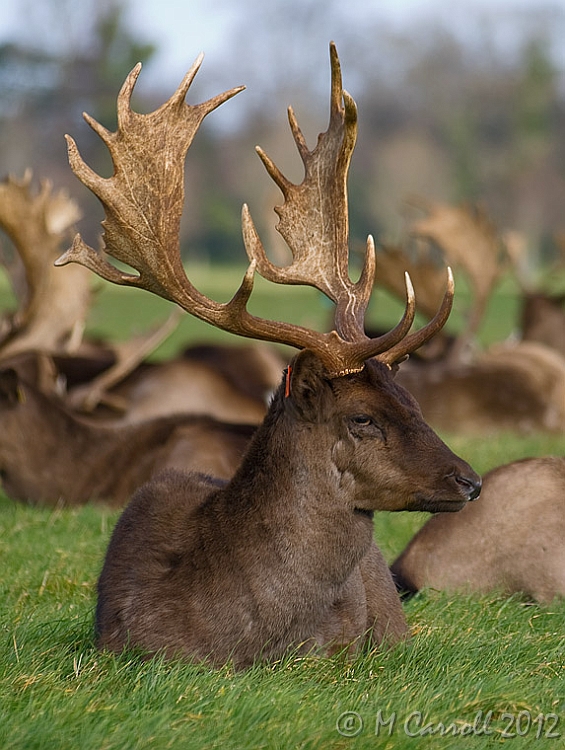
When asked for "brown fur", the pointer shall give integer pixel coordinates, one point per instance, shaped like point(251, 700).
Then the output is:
point(519, 387)
point(48, 455)
point(282, 556)
point(229, 383)
point(511, 539)
point(543, 319)
point(220, 381)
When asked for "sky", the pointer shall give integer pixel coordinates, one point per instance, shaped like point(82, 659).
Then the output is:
point(183, 28)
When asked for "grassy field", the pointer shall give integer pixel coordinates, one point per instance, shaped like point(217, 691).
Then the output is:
point(489, 670)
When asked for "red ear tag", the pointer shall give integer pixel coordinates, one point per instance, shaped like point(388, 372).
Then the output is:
point(287, 382)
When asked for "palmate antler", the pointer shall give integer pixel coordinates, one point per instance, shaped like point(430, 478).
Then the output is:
point(143, 203)
point(52, 304)
point(469, 241)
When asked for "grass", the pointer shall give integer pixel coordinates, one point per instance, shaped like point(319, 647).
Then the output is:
point(470, 661)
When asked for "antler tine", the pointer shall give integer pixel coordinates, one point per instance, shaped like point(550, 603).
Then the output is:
point(413, 341)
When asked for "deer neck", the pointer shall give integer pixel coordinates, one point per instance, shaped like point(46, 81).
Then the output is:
point(289, 484)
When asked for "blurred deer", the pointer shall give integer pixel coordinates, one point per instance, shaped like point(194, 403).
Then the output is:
point(108, 380)
point(282, 555)
point(510, 540)
point(542, 313)
point(509, 386)
point(49, 456)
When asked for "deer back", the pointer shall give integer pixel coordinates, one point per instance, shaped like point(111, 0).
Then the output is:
point(510, 540)
point(510, 387)
point(49, 455)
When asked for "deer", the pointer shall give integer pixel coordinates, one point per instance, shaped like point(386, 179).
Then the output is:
point(227, 382)
point(509, 542)
point(460, 387)
point(281, 557)
point(542, 312)
point(110, 381)
point(49, 456)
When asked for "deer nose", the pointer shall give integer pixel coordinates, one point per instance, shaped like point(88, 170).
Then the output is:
point(471, 485)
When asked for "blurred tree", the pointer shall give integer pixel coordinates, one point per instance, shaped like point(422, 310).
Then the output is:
point(536, 97)
point(48, 79)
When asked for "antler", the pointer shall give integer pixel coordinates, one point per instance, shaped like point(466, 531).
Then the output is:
point(143, 203)
point(428, 276)
point(129, 355)
point(53, 303)
point(469, 240)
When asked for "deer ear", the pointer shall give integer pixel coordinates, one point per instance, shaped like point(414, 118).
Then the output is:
point(308, 386)
point(10, 387)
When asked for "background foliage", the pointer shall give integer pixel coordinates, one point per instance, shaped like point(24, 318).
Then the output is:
point(457, 115)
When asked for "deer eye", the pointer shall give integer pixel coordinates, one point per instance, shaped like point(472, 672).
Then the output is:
point(364, 426)
point(361, 420)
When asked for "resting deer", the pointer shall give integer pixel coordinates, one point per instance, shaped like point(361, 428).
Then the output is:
point(49, 456)
point(511, 540)
point(228, 383)
point(518, 386)
point(542, 312)
point(281, 556)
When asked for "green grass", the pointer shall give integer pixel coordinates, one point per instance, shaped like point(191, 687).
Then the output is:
point(468, 655)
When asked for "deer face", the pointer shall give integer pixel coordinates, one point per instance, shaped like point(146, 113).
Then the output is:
point(382, 447)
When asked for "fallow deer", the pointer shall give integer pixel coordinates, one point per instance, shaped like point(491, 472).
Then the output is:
point(53, 305)
point(510, 540)
point(460, 387)
point(542, 310)
point(282, 556)
point(49, 456)
point(228, 383)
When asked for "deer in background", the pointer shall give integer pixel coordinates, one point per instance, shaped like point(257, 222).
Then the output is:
point(229, 383)
point(542, 312)
point(110, 381)
point(510, 541)
point(52, 380)
point(50, 456)
point(281, 556)
point(510, 385)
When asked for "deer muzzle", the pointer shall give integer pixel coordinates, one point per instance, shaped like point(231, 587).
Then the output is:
point(469, 485)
